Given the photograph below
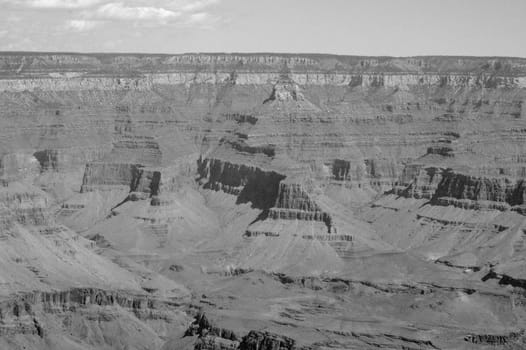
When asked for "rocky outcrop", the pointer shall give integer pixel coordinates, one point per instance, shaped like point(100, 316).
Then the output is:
point(293, 196)
point(202, 327)
point(100, 176)
point(38, 62)
point(240, 118)
point(241, 146)
point(341, 170)
point(329, 238)
point(293, 203)
point(285, 89)
point(480, 188)
point(64, 300)
point(447, 187)
point(506, 279)
point(144, 82)
point(256, 233)
point(442, 150)
point(256, 340)
point(423, 182)
point(141, 150)
point(494, 339)
point(20, 314)
point(25, 206)
point(248, 183)
point(48, 159)
point(211, 337)
point(146, 181)
point(474, 204)
point(215, 343)
point(379, 173)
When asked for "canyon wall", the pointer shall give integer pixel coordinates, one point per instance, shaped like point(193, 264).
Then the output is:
point(309, 164)
point(248, 121)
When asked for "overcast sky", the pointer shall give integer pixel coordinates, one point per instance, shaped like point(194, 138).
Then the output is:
point(358, 27)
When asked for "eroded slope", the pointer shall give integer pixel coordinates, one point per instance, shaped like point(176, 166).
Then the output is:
point(310, 201)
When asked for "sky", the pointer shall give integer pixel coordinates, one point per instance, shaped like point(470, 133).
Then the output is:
point(351, 27)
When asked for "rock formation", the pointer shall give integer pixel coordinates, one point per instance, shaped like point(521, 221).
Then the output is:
point(264, 340)
point(299, 201)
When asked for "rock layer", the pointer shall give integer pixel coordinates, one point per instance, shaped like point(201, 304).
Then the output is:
point(397, 169)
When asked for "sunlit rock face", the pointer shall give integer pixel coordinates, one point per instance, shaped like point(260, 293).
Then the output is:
point(301, 201)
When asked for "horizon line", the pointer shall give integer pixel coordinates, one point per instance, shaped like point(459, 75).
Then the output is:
point(278, 53)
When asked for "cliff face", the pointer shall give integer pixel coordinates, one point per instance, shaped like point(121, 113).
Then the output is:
point(265, 341)
point(478, 188)
point(20, 63)
point(378, 80)
point(33, 317)
point(129, 121)
point(450, 187)
point(293, 203)
point(100, 176)
point(371, 112)
point(248, 183)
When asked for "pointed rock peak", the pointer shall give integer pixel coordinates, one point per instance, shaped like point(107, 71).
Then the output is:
point(287, 96)
point(286, 89)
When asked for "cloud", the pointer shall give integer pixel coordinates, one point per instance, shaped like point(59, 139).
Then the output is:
point(57, 18)
point(198, 17)
point(197, 5)
point(51, 4)
point(152, 12)
point(81, 25)
point(119, 11)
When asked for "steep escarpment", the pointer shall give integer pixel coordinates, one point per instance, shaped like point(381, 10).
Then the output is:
point(212, 337)
point(423, 181)
point(133, 176)
point(496, 340)
point(104, 63)
point(248, 183)
point(323, 116)
point(445, 186)
point(265, 340)
point(26, 207)
point(476, 188)
point(294, 203)
point(86, 316)
point(23, 307)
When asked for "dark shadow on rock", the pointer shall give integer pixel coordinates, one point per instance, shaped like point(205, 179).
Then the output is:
point(261, 190)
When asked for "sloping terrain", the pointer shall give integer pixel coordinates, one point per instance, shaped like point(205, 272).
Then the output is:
point(264, 201)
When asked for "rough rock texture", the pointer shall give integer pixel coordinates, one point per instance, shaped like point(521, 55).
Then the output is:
point(266, 341)
point(202, 327)
point(249, 183)
point(106, 175)
point(89, 315)
point(293, 203)
point(494, 340)
point(382, 191)
point(475, 188)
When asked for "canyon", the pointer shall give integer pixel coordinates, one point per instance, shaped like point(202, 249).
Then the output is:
point(262, 201)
